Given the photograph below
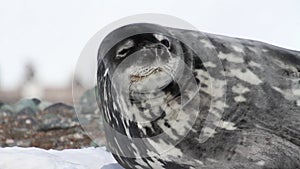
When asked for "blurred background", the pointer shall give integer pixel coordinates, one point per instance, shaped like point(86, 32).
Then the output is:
point(40, 41)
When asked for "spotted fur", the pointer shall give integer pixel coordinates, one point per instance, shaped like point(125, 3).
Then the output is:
point(261, 114)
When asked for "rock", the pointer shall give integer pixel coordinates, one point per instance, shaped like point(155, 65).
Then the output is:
point(43, 105)
point(57, 116)
point(39, 125)
point(27, 103)
point(90, 118)
point(88, 108)
point(1, 104)
point(7, 108)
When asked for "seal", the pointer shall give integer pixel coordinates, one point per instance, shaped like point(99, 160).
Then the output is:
point(161, 92)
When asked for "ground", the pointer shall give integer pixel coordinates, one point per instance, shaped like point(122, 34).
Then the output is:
point(36, 158)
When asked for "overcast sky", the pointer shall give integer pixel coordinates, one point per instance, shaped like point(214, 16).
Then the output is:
point(52, 33)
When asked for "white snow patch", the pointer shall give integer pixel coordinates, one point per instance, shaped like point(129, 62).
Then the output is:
point(36, 158)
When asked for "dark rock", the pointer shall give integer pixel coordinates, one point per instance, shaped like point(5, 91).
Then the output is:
point(36, 101)
point(27, 103)
point(27, 111)
point(89, 116)
point(1, 104)
point(88, 110)
point(7, 108)
point(57, 116)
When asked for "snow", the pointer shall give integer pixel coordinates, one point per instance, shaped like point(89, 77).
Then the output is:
point(36, 158)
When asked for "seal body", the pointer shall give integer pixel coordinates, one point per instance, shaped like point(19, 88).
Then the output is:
point(162, 95)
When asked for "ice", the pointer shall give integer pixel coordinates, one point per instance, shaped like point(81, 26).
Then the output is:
point(36, 158)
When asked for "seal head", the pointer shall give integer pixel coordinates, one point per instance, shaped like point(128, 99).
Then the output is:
point(142, 73)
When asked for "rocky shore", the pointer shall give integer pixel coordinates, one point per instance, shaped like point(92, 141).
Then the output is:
point(36, 123)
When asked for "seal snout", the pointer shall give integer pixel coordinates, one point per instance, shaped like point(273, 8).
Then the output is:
point(142, 73)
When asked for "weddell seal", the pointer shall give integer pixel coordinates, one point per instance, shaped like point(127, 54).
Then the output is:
point(162, 94)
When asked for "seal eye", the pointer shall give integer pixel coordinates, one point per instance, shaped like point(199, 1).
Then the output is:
point(124, 49)
point(122, 53)
point(165, 42)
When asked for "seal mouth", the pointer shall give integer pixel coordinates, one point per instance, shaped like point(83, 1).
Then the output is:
point(143, 73)
point(150, 79)
point(156, 72)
